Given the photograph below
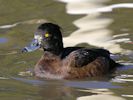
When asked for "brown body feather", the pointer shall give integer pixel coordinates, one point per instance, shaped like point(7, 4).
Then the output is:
point(51, 66)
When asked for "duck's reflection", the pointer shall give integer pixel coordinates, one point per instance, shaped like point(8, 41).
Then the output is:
point(59, 91)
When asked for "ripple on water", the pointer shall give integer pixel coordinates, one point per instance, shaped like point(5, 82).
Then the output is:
point(3, 78)
point(123, 78)
point(91, 84)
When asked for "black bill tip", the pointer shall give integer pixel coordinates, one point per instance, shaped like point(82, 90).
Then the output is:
point(24, 50)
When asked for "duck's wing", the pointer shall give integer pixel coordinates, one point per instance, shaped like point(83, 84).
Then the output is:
point(84, 56)
point(98, 67)
point(85, 62)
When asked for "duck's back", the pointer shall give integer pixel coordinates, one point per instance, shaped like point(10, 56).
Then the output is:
point(84, 62)
point(84, 56)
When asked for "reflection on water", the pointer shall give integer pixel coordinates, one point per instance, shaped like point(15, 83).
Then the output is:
point(60, 90)
point(34, 21)
point(101, 94)
point(100, 23)
point(92, 28)
point(3, 40)
point(57, 91)
point(91, 84)
point(69, 93)
point(123, 78)
point(3, 78)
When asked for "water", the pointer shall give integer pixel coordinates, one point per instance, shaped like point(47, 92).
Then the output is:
point(90, 23)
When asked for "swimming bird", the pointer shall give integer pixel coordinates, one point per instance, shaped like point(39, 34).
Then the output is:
point(58, 62)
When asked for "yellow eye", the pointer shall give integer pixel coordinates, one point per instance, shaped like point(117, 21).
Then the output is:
point(46, 35)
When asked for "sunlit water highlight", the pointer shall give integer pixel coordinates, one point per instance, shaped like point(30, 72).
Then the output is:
point(91, 25)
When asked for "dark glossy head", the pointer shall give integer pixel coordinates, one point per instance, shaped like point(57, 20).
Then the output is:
point(49, 37)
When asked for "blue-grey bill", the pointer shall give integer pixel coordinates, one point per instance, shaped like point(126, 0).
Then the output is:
point(34, 45)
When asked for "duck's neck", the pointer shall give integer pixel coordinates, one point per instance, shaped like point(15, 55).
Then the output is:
point(55, 49)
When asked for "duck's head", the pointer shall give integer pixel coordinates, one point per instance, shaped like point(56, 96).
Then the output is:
point(48, 36)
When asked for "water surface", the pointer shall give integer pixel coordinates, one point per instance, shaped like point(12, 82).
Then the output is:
point(90, 23)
